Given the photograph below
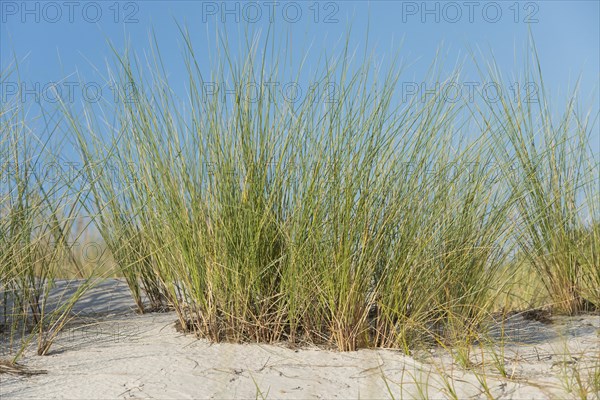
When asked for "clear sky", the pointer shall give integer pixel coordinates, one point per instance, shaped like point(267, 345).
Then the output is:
point(57, 41)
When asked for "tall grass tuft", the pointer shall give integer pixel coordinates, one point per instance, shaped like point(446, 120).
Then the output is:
point(554, 174)
point(37, 214)
point(348, 219)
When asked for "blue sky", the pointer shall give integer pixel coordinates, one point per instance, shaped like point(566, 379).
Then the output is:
point(65, 41)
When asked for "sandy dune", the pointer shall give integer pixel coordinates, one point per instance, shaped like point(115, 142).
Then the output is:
point(111, 352)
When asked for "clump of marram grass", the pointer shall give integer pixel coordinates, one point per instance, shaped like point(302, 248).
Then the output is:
point(349, 222)
point(36, 219)
point(548, 163)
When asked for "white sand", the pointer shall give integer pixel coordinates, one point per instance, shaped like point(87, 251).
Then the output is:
point(125, 355)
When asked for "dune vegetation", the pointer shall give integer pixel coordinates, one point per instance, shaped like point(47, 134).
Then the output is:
point(355, 222)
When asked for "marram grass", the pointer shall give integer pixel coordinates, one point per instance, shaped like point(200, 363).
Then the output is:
point(555, 175)
point(37, 217)
point(359, 222)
